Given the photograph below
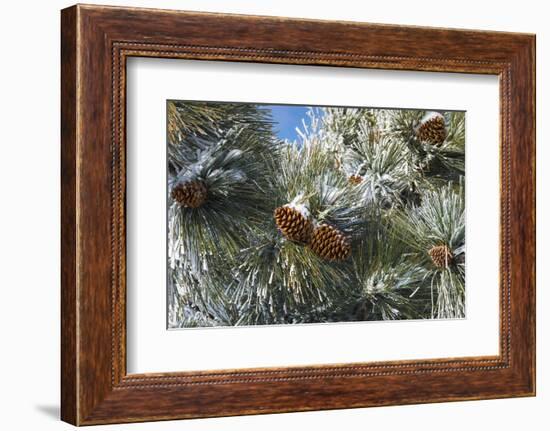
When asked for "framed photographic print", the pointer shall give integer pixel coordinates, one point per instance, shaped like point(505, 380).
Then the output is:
point(267, 215)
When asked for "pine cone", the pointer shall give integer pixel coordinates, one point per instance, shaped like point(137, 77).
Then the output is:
point(432, 129)
point(330, 243)
point(441, 255)
point(355, 179)
point(191, 194)
point(293, 224)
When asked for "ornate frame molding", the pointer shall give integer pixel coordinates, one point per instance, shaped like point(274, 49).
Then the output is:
point(96, 41)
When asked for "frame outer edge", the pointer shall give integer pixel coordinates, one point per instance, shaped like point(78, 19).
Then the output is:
point(69, 197)
point(533, 54)
point(523, 217)
point(532, 82)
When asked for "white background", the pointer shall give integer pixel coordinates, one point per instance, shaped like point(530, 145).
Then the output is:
point(29, 228)
point(151, 348)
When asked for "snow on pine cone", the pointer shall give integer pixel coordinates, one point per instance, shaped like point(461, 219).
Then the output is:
point(190, 194)
point(293, 224)
point(330, 243)
point(432, 129)
point(441, 255)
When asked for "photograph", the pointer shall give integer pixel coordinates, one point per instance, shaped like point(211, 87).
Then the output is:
point(299, 214)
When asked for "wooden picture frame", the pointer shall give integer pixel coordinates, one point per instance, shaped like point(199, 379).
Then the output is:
point(96, 41)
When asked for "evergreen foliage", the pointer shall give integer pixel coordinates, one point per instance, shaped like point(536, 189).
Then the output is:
point(363, 179)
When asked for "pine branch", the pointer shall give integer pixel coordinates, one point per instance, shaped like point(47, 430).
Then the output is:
point(444, 160)
point(435, 231)
point(391, 205)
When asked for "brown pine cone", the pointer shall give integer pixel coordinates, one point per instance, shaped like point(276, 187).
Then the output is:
point(293, 224)
point(441, 256)
point(330, 243)
point(355, 179)
point(432, 129)
point(192, 194)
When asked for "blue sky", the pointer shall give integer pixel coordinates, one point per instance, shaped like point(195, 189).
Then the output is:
point(287, 118)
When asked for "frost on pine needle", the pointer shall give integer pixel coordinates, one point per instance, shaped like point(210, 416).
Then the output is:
point(435, 232)
point(361, 217)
